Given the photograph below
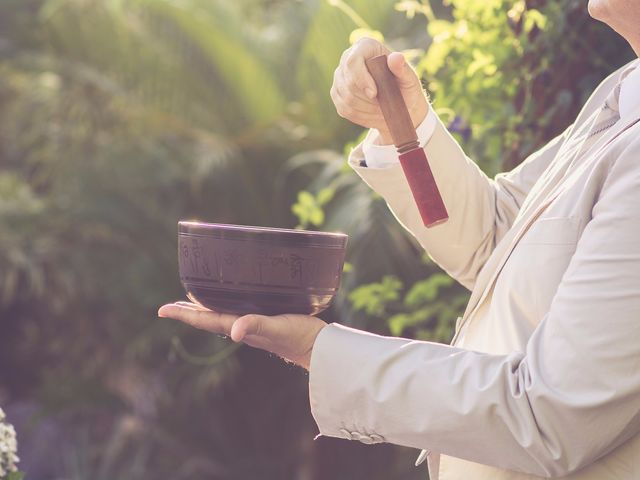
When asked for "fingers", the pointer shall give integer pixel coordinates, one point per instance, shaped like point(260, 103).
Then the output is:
point(250, 325)
point(198, 317)
point(348, 82)
point(349, 96)
point(353, 62)
point(410, 86)
point(357, 77)
point(406, 76)
point(351, 103)
point(397, 65)
point(288, 336)
point(354, 90)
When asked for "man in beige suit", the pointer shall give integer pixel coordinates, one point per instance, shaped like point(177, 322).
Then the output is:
point(543, 375)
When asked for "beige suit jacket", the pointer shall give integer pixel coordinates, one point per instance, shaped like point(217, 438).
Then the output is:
point(543, 375)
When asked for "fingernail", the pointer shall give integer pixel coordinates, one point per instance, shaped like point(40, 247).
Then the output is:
point(162, 311)
point(236, 336)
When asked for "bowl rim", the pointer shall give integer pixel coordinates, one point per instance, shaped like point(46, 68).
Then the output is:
point(256, 229)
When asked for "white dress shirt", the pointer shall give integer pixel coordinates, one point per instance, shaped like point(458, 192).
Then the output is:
point(630, 93)
point(383, 156)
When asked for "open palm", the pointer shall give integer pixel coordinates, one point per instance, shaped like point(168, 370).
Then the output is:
point(290, 336)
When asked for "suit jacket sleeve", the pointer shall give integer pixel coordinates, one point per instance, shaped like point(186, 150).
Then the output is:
point(568, 399)
point(481, 210)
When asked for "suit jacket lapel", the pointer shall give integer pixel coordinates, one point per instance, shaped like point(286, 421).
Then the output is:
point(491, 270)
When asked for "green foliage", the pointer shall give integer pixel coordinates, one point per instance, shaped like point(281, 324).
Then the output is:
point(320, 51)
point(427, 310)
point(506, 70)
point(309, 208)
point(197, 53)
point(374, 297)
point(427, 290)
point(14, 476)
point(430, 308)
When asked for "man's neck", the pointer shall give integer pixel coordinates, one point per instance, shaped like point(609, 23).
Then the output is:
point(635, 44)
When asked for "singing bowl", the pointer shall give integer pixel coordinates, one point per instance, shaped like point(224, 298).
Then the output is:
point(241, 269)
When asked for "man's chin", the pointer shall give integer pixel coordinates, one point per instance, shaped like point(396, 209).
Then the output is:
point(598, 9)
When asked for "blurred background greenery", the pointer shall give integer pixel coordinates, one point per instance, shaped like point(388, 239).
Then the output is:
point(119, 117)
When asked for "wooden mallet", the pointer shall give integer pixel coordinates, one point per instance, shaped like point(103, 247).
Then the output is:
point(412, 158)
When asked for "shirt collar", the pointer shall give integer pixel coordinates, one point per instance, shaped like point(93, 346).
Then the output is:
point(630, 90)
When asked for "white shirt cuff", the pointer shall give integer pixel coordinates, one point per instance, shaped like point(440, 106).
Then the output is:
point(384, 156)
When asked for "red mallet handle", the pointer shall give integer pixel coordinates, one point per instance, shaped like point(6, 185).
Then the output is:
point(412, 158)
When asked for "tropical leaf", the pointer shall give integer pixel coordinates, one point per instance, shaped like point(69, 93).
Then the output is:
point(192, 63)
point(327, 37)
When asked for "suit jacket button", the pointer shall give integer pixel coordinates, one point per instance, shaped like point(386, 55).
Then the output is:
point(377, 438)
point(356, 436)
point(346, 434)
point(367, 440)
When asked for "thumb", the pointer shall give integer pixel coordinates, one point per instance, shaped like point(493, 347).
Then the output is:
point(248, 325)
point(401, 69)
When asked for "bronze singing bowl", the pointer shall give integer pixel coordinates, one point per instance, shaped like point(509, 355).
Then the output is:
point(269, 271)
